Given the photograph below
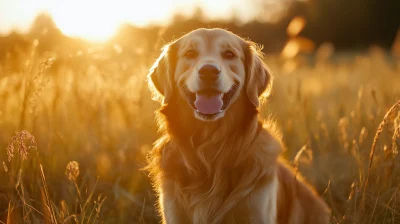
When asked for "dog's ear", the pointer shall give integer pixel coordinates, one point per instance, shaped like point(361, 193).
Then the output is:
point(258, 77)
point(160, 75)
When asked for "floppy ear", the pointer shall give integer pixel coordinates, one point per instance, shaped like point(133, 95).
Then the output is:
point(159, 77)
point(258, 77)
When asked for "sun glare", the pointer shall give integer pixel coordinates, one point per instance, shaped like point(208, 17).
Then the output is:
point(98, 20)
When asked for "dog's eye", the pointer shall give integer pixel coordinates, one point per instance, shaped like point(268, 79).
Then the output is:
point(190, 54)
point(228, 54)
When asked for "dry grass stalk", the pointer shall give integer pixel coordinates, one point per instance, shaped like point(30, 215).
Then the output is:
point(23, 142)
point(296, 160)
point(47, 203)
point(33, 88)
point(394, 108)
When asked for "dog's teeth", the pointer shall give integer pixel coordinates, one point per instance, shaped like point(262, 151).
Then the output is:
point(220, 111)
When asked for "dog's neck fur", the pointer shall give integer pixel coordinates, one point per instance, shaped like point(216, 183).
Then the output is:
point(197, 155)
point(207, 141)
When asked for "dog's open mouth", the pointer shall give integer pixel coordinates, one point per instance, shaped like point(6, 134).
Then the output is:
point(209, 103)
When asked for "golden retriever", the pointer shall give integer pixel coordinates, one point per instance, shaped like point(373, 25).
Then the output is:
point(217, 162)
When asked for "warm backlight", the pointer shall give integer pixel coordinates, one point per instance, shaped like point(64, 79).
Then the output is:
point(98, 20)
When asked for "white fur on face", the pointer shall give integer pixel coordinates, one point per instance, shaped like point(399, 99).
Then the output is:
point(210, 48)
point(209, 51)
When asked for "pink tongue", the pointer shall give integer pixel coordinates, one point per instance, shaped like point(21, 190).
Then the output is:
point(208, 104)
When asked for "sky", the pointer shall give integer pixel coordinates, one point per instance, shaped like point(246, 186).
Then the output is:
point(99, 19)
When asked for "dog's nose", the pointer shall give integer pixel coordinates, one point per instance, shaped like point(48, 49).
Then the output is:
point(209, 73)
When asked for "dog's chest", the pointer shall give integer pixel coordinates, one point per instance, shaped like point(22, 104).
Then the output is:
point(205, 197)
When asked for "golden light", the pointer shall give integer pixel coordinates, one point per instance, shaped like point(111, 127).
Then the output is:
point(290, 50)
point(296, 26)
point(297, 45)
point(98, 20)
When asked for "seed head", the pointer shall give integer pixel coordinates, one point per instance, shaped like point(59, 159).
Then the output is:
point(22, 142)
point(72, 170)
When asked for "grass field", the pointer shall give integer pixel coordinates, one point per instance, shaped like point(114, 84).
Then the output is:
point(98, 112)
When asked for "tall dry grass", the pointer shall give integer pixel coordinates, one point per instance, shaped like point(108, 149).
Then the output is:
point(75, 133)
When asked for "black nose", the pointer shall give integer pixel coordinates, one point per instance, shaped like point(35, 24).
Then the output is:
point(209, 73)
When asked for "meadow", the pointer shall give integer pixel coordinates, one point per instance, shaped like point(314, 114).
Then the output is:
point(75, 131)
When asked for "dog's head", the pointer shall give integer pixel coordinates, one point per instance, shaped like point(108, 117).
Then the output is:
point(209, 70)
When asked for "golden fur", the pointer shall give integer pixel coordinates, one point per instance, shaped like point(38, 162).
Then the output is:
point(223, 170)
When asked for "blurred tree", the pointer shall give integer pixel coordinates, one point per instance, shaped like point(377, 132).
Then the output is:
point(42, 25)
point(45, 30)
point(352, 24)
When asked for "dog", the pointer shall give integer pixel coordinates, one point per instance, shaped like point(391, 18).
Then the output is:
point(217, 161)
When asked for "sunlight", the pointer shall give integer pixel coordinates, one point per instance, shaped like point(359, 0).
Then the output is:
point(98, 20)
point(296, 26)
point(95, 20)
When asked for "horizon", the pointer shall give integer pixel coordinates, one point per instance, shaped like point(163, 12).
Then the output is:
point(99, 21)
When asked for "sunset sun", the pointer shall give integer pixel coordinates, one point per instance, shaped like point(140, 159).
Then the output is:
point(95, 20)
point(98, 20)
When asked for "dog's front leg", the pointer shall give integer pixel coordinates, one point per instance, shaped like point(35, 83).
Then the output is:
point(171, 211)
point(263, 202)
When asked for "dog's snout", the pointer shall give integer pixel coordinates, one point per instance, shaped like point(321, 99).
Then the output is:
point(209, 73)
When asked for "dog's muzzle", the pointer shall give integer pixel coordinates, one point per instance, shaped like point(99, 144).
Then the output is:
point(208, 103)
